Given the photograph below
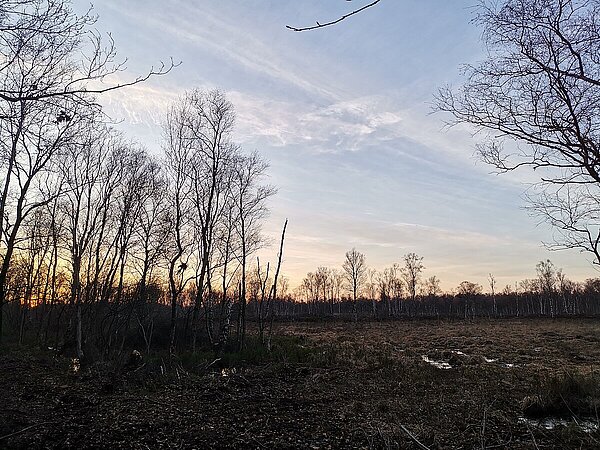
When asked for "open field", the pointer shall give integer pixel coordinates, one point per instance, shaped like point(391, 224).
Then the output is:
point(325, 385)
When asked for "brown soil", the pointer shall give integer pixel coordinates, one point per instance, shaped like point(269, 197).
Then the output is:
point(360, 385)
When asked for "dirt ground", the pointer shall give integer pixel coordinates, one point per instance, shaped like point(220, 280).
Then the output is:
point(419, 384)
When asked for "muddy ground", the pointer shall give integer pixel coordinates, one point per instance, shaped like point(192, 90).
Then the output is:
point(421, 384)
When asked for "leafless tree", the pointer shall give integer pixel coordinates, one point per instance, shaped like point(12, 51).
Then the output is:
point(207, 123)
point(84, 204)
point(492, 283)
point(467, 290)
point(51, 60)
point(432, 286)
point(249, 198)
point(273, 292)
point(371, 289)
point(355, 270)
point(321, 280)
point(547, 279)
point(390, 288)
point(179, 218)
point(537, 99)
point(411, 272)
point(62, 54)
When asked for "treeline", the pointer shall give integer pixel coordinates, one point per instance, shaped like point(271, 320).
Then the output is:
point(401, 291)
point(95, 230)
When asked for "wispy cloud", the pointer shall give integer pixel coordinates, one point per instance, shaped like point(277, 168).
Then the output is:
point(358, 159)
point(201, 28)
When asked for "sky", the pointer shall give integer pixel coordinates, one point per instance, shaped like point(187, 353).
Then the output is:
point(344, 116)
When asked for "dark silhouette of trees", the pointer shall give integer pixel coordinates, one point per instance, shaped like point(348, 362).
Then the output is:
point(52, 60)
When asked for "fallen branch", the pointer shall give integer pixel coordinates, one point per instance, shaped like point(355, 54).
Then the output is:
point(413, 437)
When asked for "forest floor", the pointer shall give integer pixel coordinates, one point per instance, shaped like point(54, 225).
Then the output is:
point(402, 384)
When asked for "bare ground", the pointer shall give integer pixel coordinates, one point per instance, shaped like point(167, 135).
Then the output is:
point(332, 385)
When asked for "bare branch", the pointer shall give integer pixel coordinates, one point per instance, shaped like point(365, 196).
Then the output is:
point(333, 22)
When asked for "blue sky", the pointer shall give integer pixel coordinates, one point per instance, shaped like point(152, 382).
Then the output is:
point(343, 116)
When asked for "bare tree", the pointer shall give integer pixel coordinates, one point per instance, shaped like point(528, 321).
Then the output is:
point(32, 135)
point(178, 222)
point(84, 204)
point(207, 125)
point(322, 282)
point(467, 290)
point(355, 269)
point(546, 273)
point(249, 198)
point(273, 292)
point(371, 288)
point(492, 282)
point(390, 288)
point(41, 38)
point(411, 272)
point(537, 96)
point(51, 60)
point(432, 286)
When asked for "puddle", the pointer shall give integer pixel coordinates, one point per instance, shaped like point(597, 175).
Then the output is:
point(490, 360)
point(438, 364)
point(550, 423)
point(459, 353)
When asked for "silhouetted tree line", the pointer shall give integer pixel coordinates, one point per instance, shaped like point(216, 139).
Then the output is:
point(399, 291)
point(97, 234)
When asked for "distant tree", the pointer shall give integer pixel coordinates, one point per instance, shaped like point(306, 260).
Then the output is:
point(432, 286)
point(322, 282)
point(411, 272)
point(546, 273)
point(537, 96)
point(492, 283)
point(355, 269)
point(371, 289)
point(337, 283)
point(391, 288)
point(467, 290)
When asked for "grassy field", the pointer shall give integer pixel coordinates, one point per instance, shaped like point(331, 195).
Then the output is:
point(421, 384)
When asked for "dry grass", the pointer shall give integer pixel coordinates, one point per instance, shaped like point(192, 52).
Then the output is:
point(346, 385)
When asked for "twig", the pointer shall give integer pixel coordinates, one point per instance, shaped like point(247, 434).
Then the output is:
point(212, 363)
point(412, 436)
point(333, 22)
point(141, 367)
point(6, 436)
point(532, 436)
point(483, 429)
